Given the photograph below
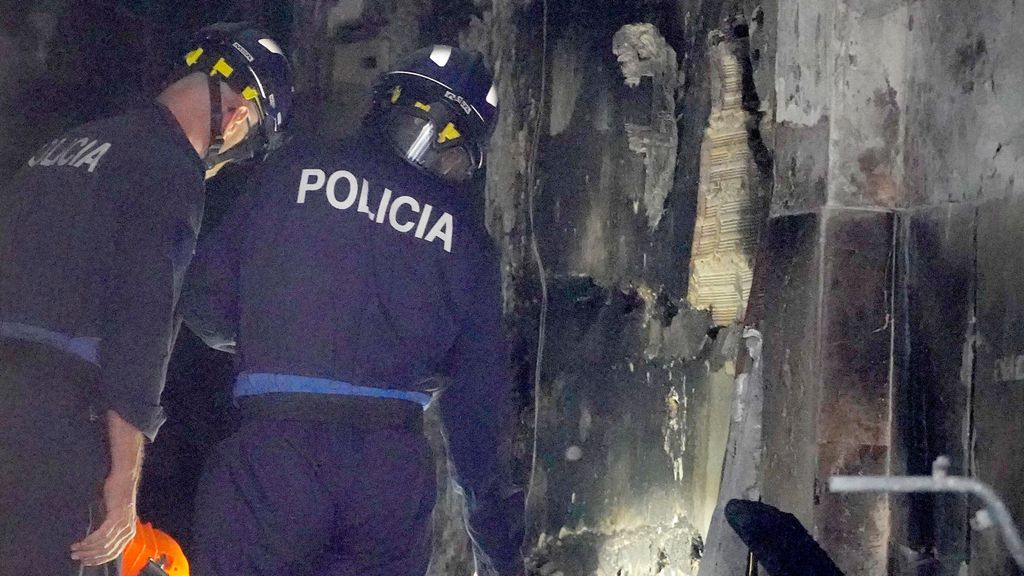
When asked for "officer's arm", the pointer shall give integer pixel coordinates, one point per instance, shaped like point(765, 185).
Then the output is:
point(209, 300)
point(147, 256)
point(144, 261)
point(104, 543)
point(475, 409)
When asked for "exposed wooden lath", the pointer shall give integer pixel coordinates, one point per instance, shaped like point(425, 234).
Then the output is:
point(730, 202)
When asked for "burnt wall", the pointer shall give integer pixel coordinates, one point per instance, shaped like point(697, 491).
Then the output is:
point(827, 336)
point(633, 392)
point(962, 362)
point(937, 351)
point(963, 216)
point(828, 320)
point(905, 109)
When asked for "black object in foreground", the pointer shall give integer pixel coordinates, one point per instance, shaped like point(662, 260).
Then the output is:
point(779, 542)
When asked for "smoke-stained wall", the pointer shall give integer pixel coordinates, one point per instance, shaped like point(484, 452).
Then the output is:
point(602, 170)
point(897, 156)
point(961, 239)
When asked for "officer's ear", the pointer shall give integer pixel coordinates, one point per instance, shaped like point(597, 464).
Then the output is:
point(239, 117)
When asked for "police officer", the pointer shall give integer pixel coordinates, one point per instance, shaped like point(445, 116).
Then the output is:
point(96, 231)
point(349, 279)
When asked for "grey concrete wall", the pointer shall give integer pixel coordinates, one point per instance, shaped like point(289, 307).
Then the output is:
point(936, 355)
point(963, 139)
point(839, 78)
point(962, 158)
point(827, 336)
point(912, 107)
point(959, 387)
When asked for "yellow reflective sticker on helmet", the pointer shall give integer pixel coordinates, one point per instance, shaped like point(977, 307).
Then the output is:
point(223, 68)
point(396, 93)
point(449, 133)
point(250, 93)
point(193, 56)
point(422, 106)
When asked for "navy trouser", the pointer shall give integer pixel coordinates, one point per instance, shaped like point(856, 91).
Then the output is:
point(296, 497)
point(53, 459)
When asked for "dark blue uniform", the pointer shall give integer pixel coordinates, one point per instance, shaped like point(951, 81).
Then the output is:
point(95, 234)
point(357, 288)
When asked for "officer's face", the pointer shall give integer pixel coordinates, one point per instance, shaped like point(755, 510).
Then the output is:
point(454, 164)
point(235, 129)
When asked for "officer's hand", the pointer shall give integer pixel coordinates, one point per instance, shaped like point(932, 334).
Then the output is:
point(118, 527)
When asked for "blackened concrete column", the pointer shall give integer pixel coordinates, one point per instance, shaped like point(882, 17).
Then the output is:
point(828, 322)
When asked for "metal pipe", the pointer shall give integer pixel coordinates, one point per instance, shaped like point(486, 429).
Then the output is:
point(939, 481)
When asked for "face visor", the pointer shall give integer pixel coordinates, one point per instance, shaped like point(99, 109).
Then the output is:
point(429, 140)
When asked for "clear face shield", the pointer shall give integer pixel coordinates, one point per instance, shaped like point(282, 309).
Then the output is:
point(440, 149)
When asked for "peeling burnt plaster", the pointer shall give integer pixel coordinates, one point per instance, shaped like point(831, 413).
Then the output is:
point(670, 550)
point(633, 423)
point(643, 52)
point(681, 339)
point(615, 350)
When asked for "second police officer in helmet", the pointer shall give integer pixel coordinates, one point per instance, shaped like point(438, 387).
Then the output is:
point(357, 284)
point(96, 231)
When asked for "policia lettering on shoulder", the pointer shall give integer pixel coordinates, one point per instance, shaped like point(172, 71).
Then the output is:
point(74, 152)
point(399, 212)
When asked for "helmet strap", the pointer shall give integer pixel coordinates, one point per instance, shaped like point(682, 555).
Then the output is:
point(216, 120)
point(244, 150)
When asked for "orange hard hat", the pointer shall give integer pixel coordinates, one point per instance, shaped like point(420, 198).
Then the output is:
point(152, 544)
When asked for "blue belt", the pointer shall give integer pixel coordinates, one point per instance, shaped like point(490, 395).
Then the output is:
point(251, 384)
point(83, 347)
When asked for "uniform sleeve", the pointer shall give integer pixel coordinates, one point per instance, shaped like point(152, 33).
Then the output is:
point(209, 301)
point(475, 409)
point(152, 244)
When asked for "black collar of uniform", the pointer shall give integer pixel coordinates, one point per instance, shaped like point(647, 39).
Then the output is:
point(177, 133)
